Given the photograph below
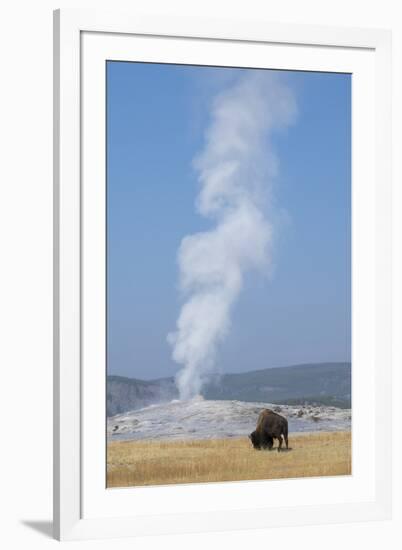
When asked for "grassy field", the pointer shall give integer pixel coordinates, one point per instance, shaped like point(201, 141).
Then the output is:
point(132, 463)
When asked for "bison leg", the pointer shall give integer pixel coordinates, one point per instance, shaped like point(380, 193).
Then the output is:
point(280, 443)
point(267, 442)
point(285, 435)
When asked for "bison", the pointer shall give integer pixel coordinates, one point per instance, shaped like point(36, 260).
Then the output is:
point(270, 426)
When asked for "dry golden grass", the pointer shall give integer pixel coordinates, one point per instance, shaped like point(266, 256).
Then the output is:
point(132, 463)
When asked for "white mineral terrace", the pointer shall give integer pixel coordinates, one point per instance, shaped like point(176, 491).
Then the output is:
point(203, 419)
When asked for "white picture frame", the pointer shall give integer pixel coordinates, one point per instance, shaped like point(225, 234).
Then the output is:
point(83, 507)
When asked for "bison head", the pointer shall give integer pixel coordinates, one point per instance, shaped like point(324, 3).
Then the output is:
point(255, 440)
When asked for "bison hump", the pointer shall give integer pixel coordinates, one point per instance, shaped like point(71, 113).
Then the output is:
point(267, 416)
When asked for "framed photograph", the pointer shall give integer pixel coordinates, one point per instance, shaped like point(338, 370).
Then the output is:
point(222, 275)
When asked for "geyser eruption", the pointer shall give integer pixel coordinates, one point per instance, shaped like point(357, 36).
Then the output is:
point(235, 170)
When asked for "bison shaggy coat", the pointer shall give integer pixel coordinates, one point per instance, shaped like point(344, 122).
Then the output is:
point(270, 426)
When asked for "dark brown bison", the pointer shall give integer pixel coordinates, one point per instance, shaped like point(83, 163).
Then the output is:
point(270, 426)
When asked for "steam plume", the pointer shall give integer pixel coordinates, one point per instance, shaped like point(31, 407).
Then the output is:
point(235, 170)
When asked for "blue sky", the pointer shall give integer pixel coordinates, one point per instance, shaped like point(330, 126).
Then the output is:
point(301, 313)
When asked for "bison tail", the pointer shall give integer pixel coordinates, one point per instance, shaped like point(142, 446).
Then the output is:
point(285, 434)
